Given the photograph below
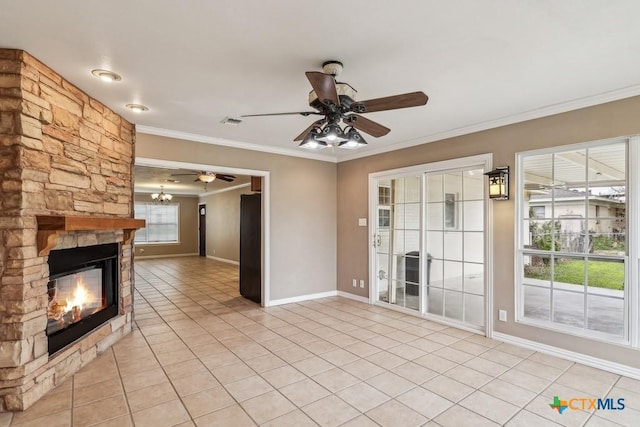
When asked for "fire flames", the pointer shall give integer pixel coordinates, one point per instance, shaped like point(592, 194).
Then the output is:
point(74, 304)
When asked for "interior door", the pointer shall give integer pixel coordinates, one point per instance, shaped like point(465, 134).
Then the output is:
point(202, 228)
point(454, 234)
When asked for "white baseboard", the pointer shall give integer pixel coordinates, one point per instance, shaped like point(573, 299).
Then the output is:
point(301, 298)
point(353, 296)
point(605, 365)
point(164, 256)
point(228, 261)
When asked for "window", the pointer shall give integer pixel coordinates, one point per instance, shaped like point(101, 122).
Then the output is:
point(162, 223)
point(384, 203)
point(572, 242)
point(537, 212)
point(384, 196)
point(384, 219)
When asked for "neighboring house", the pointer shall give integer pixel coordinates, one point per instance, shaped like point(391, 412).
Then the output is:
point(604, 214)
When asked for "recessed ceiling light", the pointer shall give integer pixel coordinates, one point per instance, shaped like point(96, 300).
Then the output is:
point(106, 75)
point(137, 108)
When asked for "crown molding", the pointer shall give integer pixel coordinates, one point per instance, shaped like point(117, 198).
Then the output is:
point(234, 144)
point(173, 193)
point(549, 110)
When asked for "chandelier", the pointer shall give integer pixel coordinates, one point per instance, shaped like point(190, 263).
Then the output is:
point(332, 135)
point(161, 198)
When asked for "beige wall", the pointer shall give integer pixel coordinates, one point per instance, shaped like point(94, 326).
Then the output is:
point(223, 223)
point(302, 214)
point(589, 124)
point(188, 230)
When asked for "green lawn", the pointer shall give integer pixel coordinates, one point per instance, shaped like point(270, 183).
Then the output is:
point(602, 274)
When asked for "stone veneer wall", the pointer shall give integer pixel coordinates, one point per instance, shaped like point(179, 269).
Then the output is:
point(61, 153)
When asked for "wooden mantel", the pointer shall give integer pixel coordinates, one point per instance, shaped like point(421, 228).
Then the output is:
point(50, 226)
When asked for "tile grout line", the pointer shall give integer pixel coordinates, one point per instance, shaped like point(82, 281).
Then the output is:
point(316, 316)
point(198, 358)
point(309, 377)
point(124, 392)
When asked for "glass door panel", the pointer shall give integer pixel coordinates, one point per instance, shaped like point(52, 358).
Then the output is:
point(397, 241)
point(455, 285)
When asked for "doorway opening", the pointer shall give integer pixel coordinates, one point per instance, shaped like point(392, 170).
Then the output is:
point(264, 258)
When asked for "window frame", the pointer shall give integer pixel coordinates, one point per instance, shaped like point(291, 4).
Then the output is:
point(631, 303)
point(146, 218)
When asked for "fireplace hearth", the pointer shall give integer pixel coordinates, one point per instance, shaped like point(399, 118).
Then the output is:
point(82, 292)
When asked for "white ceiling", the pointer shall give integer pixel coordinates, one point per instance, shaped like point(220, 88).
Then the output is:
point(195, 62)
point(148, 179)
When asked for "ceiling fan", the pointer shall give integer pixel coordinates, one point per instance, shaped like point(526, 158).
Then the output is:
point(336, 102)
point(208, 177)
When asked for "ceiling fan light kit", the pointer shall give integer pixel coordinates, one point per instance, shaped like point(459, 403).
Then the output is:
point(332, 134)
point(311, 141)
point(207, 178)
point(354, 140)
point(336, 102)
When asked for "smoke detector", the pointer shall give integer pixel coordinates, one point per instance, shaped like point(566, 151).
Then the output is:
point(231, 121)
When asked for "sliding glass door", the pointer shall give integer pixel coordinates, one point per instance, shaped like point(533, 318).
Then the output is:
point(429, 240)
point(455, 245)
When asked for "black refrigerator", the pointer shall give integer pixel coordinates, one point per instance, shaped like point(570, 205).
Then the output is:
point(250, 244)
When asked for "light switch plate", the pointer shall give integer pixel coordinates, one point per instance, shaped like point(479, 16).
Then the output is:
point(362, 222)
point(502, 315)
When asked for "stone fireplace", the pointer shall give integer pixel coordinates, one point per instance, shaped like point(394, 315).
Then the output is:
point(66, 229)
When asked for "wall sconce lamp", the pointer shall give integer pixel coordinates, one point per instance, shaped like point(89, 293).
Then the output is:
point(499, 183)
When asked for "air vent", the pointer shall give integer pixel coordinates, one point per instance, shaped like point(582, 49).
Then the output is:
point(231, 121)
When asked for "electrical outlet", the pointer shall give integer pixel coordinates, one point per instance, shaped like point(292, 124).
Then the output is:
point(361, 283)
point(355, 284)
point(502, 315)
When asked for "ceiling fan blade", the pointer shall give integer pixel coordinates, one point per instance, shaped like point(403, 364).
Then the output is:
point(325, 87)
point(227, 178)
point(366, 125)
point(183, 174)
point(406, 100)
point(307, 130)
point(301, 113)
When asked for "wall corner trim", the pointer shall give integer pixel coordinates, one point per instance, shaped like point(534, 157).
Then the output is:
point(317, 296)
point(595, 362)
point(301, 298)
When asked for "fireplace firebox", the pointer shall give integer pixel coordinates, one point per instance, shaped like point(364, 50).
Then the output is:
point(83, 292)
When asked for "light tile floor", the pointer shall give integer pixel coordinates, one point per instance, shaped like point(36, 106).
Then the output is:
point(202, 355)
